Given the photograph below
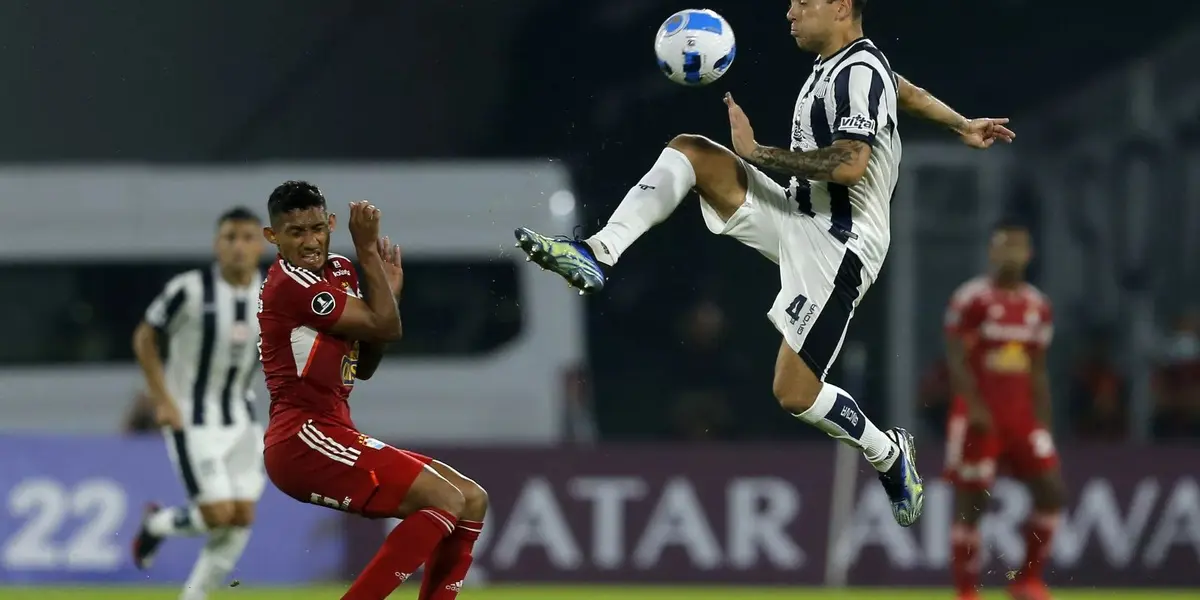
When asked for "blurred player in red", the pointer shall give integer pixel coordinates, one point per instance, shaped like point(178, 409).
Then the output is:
point(998, 328)
point(319, 335)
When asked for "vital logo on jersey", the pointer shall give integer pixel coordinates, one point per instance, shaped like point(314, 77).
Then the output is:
point(323, 303)
point(860, 124)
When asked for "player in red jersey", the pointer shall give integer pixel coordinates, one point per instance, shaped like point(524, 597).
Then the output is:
point(318, 335)
point(998, 328)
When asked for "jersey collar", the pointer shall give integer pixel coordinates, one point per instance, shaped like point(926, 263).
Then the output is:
point(840, 53)
point(283, 262)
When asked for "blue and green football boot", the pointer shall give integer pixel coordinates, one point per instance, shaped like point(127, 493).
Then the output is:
point(902, 483)
point(570, 258)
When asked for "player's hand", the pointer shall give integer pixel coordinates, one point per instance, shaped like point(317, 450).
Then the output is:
point(391, 265)
point(166, 414)
point(982, 133)
point(978, 417)
point(364, 225)
point(740, 129)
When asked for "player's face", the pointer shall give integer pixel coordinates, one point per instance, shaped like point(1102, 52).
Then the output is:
point(303, 237)
point(1011, 251)
point(813, 22)
point(238, 245)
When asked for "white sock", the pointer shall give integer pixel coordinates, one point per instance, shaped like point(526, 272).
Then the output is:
point(177, 521)
point(838, 415)
point(217, 560)
point(647, 204)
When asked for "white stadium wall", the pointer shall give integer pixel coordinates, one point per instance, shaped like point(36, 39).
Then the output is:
point(436, 210)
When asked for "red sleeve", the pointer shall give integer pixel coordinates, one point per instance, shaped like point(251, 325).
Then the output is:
point(316, 303)
point(965, 312)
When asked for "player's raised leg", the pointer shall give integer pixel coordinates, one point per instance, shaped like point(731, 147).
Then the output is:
point(688, 161)
point(832, 410)
point(447, 567)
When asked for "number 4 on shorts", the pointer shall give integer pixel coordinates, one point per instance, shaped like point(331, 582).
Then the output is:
point(796, 307)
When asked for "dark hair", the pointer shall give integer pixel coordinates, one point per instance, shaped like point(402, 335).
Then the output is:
point(294, 195)
point(239, 214)
point(1010, 224)
point(856, 8)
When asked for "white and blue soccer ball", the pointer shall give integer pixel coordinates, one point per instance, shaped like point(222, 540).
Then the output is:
point(695, 47)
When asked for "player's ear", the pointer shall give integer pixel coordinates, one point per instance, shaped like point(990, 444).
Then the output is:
point(332, 221)
point(269, 235)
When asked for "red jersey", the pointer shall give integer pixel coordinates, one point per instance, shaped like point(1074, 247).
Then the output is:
point(310, 372)
point(1000, 329)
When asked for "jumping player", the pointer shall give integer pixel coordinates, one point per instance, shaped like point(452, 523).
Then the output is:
point(998, 328)
point(203, 402)
point(828, 230)
point(319, 335)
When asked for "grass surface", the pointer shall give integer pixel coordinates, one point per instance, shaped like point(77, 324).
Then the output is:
point(575, 593)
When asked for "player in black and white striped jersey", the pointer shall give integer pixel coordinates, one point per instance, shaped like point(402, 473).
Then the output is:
point(828, 231)
point(204, 402)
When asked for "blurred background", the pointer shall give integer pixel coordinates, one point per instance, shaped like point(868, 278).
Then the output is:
point(130, 126)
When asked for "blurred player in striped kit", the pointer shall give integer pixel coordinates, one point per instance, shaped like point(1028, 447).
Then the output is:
point(204, 404)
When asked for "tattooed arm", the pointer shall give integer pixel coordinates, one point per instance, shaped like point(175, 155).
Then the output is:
point(845, 162)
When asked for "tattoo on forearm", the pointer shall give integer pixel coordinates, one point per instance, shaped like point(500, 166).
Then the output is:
point(817, 164)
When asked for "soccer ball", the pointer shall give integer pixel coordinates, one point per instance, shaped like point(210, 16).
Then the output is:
point(694, 47)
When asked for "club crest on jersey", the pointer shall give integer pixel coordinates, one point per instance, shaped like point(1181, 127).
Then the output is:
point(370, 442)
point(857, 124)
point(323, 303)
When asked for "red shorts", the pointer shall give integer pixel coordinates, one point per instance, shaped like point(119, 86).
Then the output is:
point(340, 468)
point(1019, 447)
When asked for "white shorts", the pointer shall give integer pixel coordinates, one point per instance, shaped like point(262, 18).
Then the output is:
point(821, 279)
point(219, 463)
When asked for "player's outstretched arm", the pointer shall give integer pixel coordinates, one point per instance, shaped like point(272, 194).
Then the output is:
point(976, 133)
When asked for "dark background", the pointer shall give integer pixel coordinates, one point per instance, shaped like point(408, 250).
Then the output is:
point(198, 81)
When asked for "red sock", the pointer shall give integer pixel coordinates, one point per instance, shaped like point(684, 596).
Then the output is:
point(447, 568)
point(1039, 533)
point(406, 547)
point(966, 561)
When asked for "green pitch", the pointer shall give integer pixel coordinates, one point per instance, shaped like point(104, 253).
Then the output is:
point(574, 593)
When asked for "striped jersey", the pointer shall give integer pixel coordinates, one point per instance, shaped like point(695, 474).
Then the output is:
point(211, 357)
point(851, 95)
point(310, 371)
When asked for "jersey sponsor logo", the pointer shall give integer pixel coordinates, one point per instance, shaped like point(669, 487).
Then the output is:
point(999, 332)
point(857, 124)
point(323, 303)
point(1011, 358)
point(350, 366)
point(341, 273)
